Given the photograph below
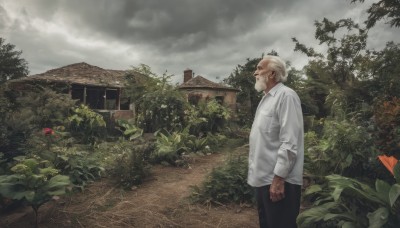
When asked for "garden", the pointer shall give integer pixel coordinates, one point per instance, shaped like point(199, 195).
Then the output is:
point(181, 165)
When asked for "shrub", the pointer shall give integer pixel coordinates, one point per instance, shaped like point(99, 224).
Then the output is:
point(73, 160)
point(226, 183)
point(169, 147)
point(23, 113)
point(345, 202)
point(128, 163)
point(86, 124)
point(34, 182)
point(344, 148)
point(161, 110)
point(206, 117)
point(387, 120)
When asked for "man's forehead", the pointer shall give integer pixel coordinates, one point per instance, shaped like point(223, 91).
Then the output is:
point(263, 63)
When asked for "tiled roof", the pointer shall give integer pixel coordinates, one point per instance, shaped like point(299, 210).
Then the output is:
point(82, 73)
point(200, 82)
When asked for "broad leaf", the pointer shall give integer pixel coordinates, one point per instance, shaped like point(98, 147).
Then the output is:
point(394, 194)
point(57, 182)
point(348, 225)
point(311, 216)
point(378, 218)
point(396, 171)
point(382, 188)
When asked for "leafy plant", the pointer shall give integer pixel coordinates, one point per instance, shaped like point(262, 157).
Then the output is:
point(226, 183)
point(78, 166)
point(206, 117)
point(345, 148)
point(346, 202)
point(169, 147)
point(34, 182)
point(196, 144)
point(161, 109)
point(86, 123)
point(387, 120)
point(131, 166)
point(129, 130)
point(26, 112)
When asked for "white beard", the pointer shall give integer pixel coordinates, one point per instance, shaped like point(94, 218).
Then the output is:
point(261, 84)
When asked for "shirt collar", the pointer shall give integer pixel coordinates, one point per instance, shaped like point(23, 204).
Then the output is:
point(275, 89)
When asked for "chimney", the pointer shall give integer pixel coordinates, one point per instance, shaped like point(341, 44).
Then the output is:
point(187, 75)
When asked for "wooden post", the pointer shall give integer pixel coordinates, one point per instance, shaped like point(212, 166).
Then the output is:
point(84, 95)
point(118, 102)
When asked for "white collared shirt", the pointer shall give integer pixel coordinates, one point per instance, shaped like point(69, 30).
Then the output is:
point(277, 139)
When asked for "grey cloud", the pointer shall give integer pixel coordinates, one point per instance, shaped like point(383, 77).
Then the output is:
point(209, 36)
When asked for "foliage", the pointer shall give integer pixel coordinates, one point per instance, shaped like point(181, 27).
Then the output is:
point(76, 164)
point(86, 124)
point(383, 9)
point(25, 112)
point(169, 147)
point(128, 163)
point(342, 201)
point(242, 79)
point(344, 148)
point(339, 69)
point(12, 66)
point(129, 130)
point(387, 120)
point(207, 116)
point(227, 183)
point(215, 141)
point(158, 104)
point(161, 110)
point(33, 181)
point(67, 156)
point(141, 80)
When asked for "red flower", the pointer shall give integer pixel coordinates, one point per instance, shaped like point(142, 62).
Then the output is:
point(48, 131)
point(388, 162)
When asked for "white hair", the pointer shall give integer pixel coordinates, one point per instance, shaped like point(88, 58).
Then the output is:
point(277, 65)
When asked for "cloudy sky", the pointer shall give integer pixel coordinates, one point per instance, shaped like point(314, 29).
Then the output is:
point(209, 36)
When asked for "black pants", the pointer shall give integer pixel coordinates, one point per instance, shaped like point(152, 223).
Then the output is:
point(281, 214)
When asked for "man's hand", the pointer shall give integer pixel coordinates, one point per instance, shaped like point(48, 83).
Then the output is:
point(277, 189)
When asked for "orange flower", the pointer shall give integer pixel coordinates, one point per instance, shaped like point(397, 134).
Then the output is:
point(388, 162)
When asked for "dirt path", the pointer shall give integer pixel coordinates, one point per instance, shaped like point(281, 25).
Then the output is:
point(159, 202)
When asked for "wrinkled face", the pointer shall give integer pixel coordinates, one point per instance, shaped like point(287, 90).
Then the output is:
point(262, 73)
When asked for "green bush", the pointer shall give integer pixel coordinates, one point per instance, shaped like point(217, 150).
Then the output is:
point(86, 124)
point(129, 164)
point(161, 109)
point(169, 147)
point(72, 159)
point(34, 181)
point(345, 202)
point(387, 121)
point(23, 113)
point(344, 148)
point(226, 183)
point(206, 117)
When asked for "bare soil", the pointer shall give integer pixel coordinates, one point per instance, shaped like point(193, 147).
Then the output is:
point(162, 201)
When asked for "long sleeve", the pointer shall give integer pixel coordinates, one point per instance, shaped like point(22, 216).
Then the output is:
point(291, 121)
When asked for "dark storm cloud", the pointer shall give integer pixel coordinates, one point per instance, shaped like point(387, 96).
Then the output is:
point(173, 25)
point(209, 36)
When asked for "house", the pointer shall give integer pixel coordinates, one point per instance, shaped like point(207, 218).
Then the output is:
point(98, 88)
point(199, 88)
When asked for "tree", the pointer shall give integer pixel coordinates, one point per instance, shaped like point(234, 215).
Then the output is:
point(242, 78)
point(383, 9)
point(12, 66)
point(341, 69)
point(158, 104)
